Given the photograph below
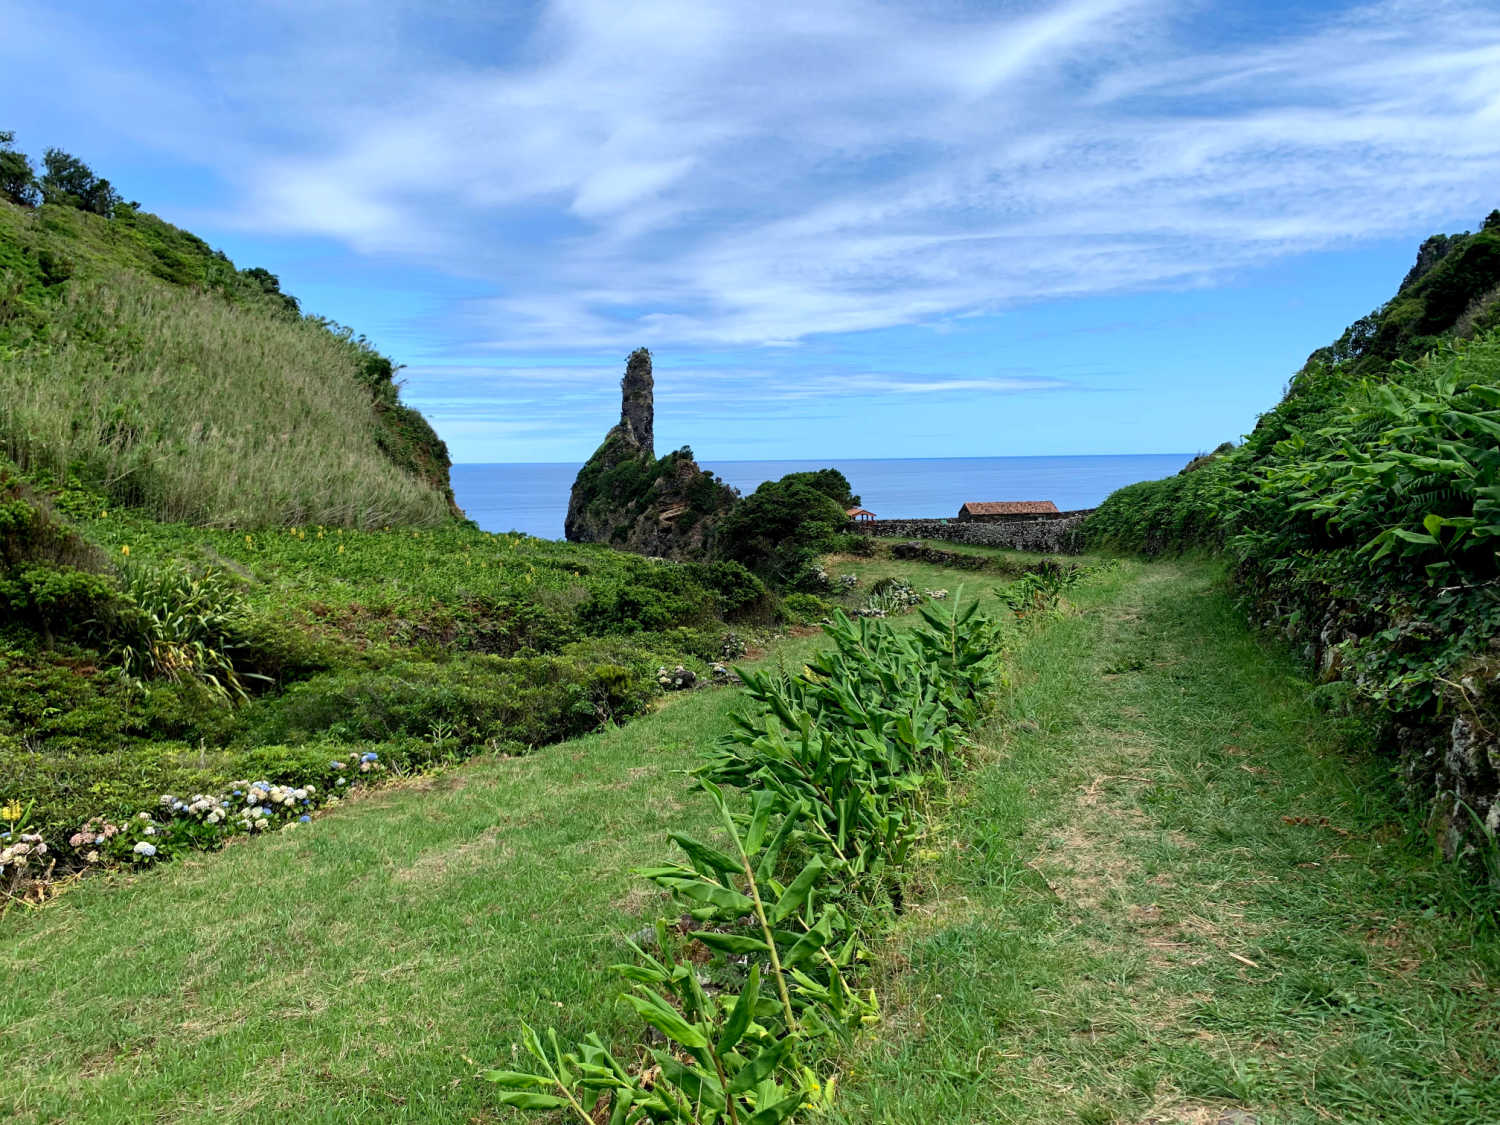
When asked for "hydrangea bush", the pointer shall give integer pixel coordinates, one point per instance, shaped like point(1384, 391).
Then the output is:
point(204, 821)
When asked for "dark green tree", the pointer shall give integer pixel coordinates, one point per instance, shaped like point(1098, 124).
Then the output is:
point(1492, 220)
point(830, 482)
point(17, 179)
point(71, 182)
point(781, 527)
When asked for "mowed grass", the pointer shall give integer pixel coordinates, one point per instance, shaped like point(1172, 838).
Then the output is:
point(362, 967)
point(1180, 893)
point(1172, 891)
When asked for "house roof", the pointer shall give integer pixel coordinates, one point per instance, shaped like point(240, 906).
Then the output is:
point(859, 512)
point(1009, 507)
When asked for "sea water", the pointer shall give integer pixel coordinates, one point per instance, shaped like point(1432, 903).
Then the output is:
point(533, 498)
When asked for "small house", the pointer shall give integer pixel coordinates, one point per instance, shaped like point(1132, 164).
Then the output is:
point(860, 515)
point(999, 511)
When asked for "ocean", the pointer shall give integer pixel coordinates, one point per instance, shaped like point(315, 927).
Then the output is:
point(533, 498)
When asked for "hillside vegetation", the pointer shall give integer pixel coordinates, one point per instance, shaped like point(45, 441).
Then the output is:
point(1362, 517)
point(140, 362)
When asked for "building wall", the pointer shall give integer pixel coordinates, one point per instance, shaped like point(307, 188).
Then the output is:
point(1050, 534)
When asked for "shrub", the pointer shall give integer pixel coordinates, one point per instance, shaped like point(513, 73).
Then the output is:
point(779, 529)
point(1161, 517)
point(180, 626)
point(17, 178)
point(475, 701)
point(805, 609)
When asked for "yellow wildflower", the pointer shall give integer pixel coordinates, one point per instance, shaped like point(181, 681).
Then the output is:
point(341, 548)
point(11, 812)
point(125, 550)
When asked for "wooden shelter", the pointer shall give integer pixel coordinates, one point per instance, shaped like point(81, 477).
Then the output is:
point(860, 515)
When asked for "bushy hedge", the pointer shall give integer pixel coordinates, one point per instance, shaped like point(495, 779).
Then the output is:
point(1362, 519)
point(473, 701)
point(779, 529)
point(1158, 517)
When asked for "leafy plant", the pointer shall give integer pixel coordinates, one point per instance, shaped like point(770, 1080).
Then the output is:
point(181, 626)
point(834, 764)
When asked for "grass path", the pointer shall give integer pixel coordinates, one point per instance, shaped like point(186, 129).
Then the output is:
point(1177, 893)
point(1172, 893)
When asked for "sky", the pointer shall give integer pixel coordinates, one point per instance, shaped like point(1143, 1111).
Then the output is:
point(843, 229)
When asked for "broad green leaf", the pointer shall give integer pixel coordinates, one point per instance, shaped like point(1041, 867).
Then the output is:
point(516, 1079)
point(527, 1099)
point(763, 1065)
point(737, 944)
point(701, 890)
point(705, 856)
point(667, 1020)
point(797, 892)
point(741, 1014)
point(1414, 537)
point(777, 1112)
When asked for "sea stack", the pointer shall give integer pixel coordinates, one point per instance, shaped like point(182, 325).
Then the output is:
point(628, 498)
point(637, 401)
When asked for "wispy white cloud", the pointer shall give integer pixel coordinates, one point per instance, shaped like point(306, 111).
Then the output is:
point(738, 173)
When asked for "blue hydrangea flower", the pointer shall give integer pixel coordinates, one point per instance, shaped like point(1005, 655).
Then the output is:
point(304, 818)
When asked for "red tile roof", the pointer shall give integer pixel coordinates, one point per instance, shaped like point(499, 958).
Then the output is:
point(1008, 508)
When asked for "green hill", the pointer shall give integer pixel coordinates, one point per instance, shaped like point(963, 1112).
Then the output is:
point(229, 552)
point(1362, 516)
point(143, 364)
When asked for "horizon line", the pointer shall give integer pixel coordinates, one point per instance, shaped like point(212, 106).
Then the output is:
point(772, 460)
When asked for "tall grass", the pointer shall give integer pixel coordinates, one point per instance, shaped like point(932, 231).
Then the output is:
point(204, 412)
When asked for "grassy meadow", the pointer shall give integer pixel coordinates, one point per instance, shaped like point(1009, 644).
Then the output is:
point(1173, 890)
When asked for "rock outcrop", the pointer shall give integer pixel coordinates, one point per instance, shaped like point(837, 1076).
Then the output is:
point(627, 497)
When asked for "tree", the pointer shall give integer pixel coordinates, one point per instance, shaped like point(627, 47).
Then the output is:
point(830, 482)
point(72, 183)
point(17, 179)
point(1492, 220)
point(779, 529)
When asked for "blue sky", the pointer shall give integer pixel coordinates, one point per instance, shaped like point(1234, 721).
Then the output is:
point(844, 230)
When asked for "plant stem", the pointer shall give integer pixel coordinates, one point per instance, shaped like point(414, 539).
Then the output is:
point(765, 929)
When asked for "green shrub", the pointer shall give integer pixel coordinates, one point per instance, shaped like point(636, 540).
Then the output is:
point(805, 609)
point(180, 626)
point(1162, 516)
point(780, 528)
point(474, 701)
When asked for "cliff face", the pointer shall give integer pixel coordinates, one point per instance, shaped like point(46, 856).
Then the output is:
point(626, 497)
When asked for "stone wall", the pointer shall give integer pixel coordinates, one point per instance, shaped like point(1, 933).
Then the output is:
point(1058, 534)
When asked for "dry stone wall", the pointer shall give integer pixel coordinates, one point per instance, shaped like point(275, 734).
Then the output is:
point(1061, 534)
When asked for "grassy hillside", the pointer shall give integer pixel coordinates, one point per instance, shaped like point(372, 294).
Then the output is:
point(141, 363)
point(1362, 516)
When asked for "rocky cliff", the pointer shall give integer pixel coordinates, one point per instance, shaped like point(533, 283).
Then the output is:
point(627, 497)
